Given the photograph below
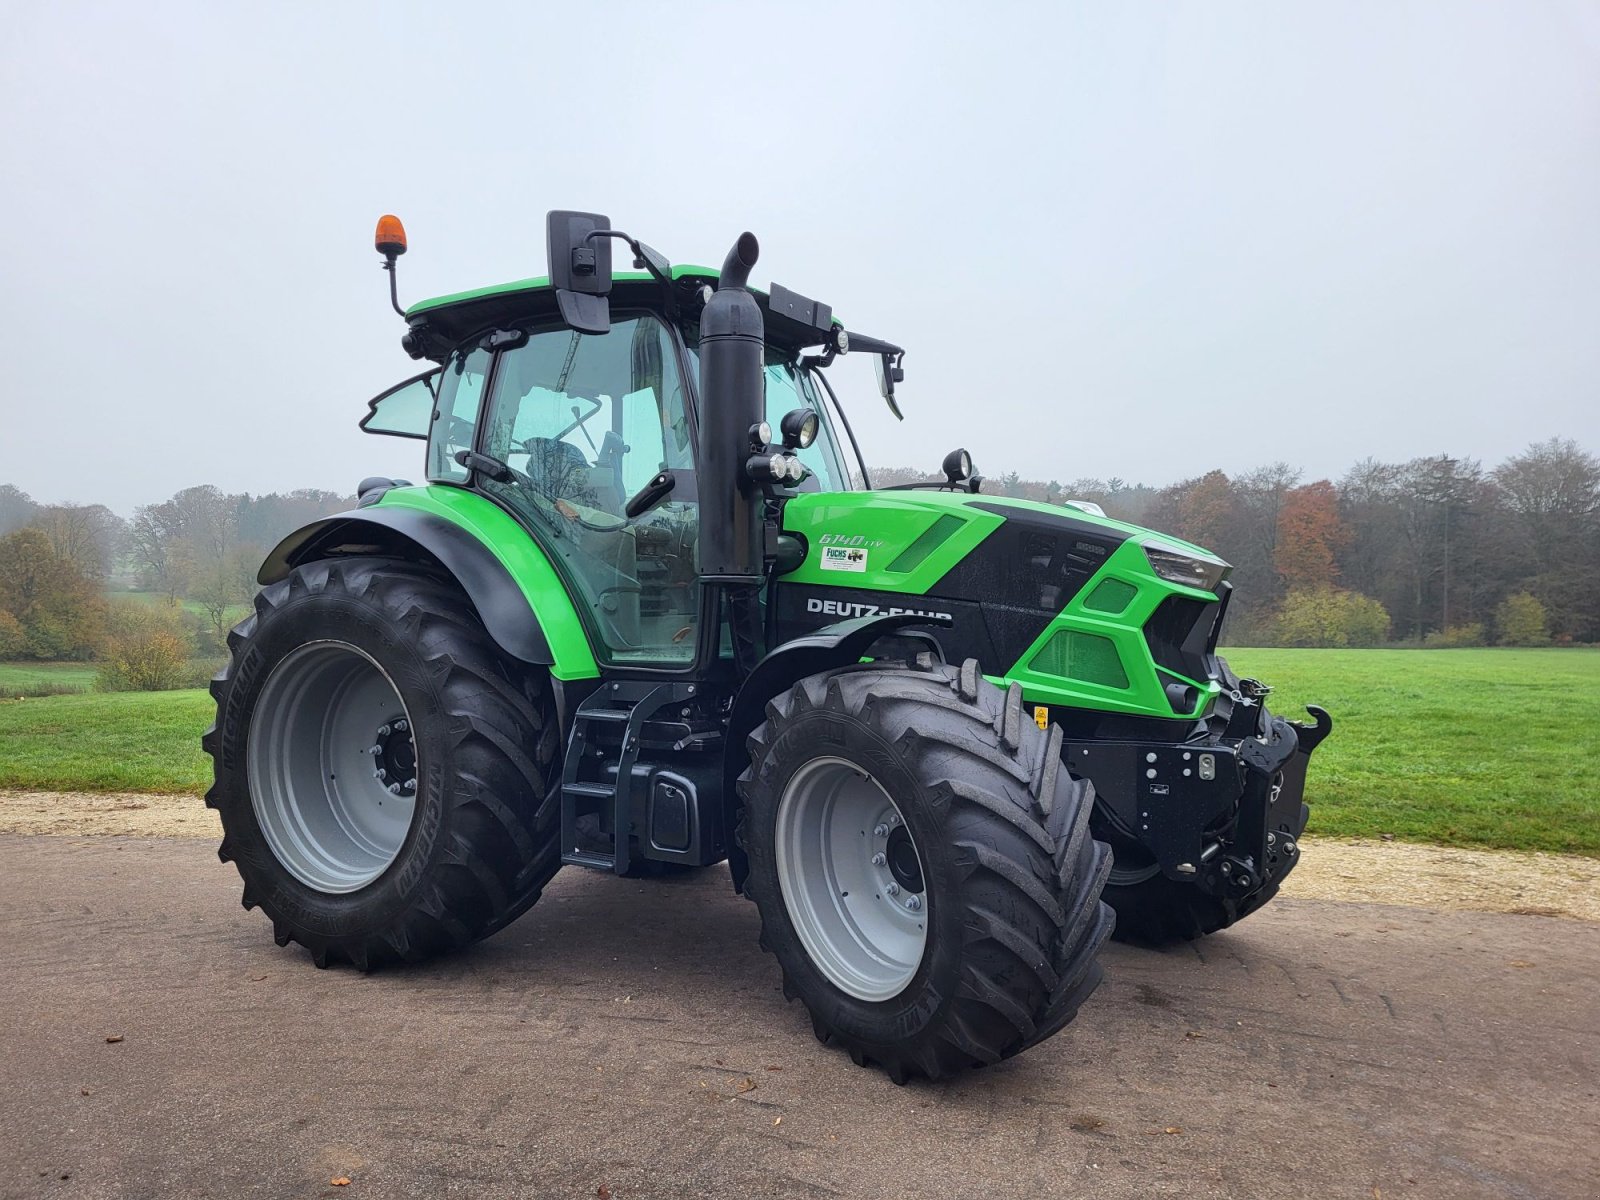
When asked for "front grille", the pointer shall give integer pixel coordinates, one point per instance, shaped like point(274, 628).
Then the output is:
point(1181, 634)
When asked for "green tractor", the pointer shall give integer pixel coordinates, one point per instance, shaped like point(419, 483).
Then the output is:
point(640, 619)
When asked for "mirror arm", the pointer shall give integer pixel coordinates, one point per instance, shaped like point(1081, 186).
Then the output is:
point(640, 259)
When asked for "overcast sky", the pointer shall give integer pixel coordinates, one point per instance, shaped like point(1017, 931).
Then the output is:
point(1134, 240)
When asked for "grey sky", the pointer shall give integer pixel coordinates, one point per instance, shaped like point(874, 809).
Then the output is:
point(1130, 240)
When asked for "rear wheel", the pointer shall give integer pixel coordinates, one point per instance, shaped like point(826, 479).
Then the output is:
point(382, 770)
point(923, 866)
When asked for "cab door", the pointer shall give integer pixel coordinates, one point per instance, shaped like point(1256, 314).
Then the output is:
point(584, 422)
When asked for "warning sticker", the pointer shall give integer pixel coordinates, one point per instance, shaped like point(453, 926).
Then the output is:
point(841, 558)
point(1041, 716)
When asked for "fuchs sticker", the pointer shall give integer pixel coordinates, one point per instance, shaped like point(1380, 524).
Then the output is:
point(842, 558)
point(852, 608)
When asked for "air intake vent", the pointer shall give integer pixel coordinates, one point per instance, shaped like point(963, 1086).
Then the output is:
point(1083, 656)
point(1112, 596)
point(932, 538)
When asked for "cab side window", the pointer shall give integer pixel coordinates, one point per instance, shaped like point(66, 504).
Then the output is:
point(455, 416)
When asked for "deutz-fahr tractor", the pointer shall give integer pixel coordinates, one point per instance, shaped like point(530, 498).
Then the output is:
point(647, 614)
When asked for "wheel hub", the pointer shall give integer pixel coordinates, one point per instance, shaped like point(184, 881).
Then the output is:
point(394, 756)
point(332, 767)
point(851, 879)
point(902, 860)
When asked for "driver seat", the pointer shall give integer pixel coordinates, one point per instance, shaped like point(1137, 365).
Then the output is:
point(563, 472)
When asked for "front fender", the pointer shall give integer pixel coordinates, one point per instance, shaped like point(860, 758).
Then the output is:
point(501, 600)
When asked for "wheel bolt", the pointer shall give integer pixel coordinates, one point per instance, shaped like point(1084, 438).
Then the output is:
point(878, 860)
point(374, 750)
point(383, 731)
point(380, 773)
point(880, 830)
point(394, 788)
point(894, 819)
point(891, 889)
point(411, 785)
point(914, 903)
point(401, 726)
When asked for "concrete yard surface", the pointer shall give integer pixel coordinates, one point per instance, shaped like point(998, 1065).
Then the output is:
point(628, 1038)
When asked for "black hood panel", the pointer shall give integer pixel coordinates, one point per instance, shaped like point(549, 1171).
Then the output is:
point(1026, 572)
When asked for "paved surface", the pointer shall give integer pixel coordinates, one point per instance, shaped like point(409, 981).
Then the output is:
point(609, 1040)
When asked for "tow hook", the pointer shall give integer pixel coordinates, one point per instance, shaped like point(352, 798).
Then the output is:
point(1239, 874)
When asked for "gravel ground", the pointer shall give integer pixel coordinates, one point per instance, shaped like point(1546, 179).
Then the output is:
point(629, 1039)
point(1368, 872)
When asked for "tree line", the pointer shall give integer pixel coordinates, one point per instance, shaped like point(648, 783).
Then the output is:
point(66, 571)
point(1433, 551)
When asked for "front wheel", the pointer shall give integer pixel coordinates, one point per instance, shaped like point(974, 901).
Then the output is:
point(923, 866)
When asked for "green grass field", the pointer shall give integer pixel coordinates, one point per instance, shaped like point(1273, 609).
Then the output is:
point(44, 678)
point(1459, 747)
point(106, 742)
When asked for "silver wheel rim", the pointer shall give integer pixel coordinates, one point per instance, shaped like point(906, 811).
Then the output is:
point(861, 915)
point(332, 767)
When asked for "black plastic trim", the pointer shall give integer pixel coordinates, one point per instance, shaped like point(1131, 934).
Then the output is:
point(412, 534)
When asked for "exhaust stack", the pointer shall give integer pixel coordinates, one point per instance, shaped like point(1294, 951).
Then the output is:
point(732, 399)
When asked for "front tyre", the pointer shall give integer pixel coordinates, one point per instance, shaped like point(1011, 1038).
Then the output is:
point(382, 770)
point(923, 866)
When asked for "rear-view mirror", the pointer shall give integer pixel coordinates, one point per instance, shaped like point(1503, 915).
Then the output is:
point(580, 268)
point(889, 374)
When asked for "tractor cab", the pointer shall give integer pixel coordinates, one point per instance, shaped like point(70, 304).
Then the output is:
point(587, 436)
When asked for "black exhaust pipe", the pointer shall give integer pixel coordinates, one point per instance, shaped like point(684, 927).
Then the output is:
point(732, 399)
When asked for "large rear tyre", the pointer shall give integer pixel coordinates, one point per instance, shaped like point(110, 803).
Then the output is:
point(923, 866)
point(382, 771)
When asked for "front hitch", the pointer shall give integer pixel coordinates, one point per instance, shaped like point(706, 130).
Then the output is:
point(1223, 813)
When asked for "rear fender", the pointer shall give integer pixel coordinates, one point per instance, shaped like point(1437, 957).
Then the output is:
point(825, 649)
point(426, 538)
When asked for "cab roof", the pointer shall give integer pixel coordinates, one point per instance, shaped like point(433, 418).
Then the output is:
point(444, 322)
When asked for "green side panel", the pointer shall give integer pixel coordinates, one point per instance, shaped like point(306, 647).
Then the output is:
point(522, 557)
point(1091, 658)
point(884, 541)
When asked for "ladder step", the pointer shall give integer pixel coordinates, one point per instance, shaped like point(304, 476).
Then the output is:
point(587, 858)
point(603, 714)
point(597, 791)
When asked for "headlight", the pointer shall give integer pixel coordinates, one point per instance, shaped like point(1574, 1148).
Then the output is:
point(1185, 567)
point(799, 427)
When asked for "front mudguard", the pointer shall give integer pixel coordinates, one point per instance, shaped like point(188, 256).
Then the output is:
point(1224, 814)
